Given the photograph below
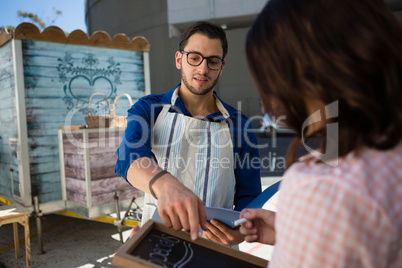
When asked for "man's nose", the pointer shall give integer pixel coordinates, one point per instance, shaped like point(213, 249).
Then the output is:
point(203, 66)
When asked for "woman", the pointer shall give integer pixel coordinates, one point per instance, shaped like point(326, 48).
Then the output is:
point(334, 69)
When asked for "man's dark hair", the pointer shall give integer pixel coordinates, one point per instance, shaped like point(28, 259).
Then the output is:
point(210, 30)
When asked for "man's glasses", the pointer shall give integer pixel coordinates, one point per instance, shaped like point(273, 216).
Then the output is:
point(195, 59)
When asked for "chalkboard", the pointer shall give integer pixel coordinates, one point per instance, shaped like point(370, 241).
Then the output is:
point(155, 245)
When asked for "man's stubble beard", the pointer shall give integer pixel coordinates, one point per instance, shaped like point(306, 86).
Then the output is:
point(193, 90)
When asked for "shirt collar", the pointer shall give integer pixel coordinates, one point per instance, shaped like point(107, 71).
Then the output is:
point(177, 103)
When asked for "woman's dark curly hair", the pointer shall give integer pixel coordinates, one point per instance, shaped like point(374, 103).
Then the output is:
point(343, 51)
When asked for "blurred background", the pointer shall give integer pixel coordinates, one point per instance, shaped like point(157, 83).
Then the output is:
point(161, 23)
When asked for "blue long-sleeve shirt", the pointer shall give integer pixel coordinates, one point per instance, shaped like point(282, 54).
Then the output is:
point(137, 141)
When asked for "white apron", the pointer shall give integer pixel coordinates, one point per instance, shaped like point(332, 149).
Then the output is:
point(197, 152)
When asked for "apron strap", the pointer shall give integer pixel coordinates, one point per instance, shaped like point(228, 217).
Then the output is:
point(218, 103)
point(221, 108)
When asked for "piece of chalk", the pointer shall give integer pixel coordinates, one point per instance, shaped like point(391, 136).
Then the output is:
point(239, 221)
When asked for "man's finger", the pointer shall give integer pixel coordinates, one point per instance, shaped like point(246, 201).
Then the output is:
point(213, 229)
point(184, 220)
point(134, 230)
point(193, 218)
point(202, 215)
point(222, 230)
point(166, 218)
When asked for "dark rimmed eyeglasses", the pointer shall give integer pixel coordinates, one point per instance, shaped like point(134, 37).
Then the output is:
point(195, 59)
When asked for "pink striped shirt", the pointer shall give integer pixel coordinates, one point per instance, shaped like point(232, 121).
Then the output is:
point(344, 216)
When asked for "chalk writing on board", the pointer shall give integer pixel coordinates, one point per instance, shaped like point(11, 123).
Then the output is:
point(170, 251)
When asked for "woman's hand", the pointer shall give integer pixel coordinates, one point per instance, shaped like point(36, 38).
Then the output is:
point(260, 225)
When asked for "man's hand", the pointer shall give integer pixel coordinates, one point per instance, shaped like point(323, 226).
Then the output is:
point(260, 226)
point(219, 232)
point(134, 231)
point(179, 207)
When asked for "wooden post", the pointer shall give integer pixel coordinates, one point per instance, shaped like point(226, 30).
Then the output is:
point(27, 240)
point(16, 240)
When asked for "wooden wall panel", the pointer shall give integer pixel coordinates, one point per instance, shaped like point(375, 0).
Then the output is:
point(60, 73)
point(59, 79)
point(54, 34)
point(101, 159)
point(101, 199)
point(8, 119)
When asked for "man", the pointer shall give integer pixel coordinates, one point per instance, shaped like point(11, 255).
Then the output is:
point(207, 146)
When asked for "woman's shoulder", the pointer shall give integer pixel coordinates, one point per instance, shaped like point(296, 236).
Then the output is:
point(370, 174)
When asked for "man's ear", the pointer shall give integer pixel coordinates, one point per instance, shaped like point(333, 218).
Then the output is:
point(178, 58)
point(223, 65)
